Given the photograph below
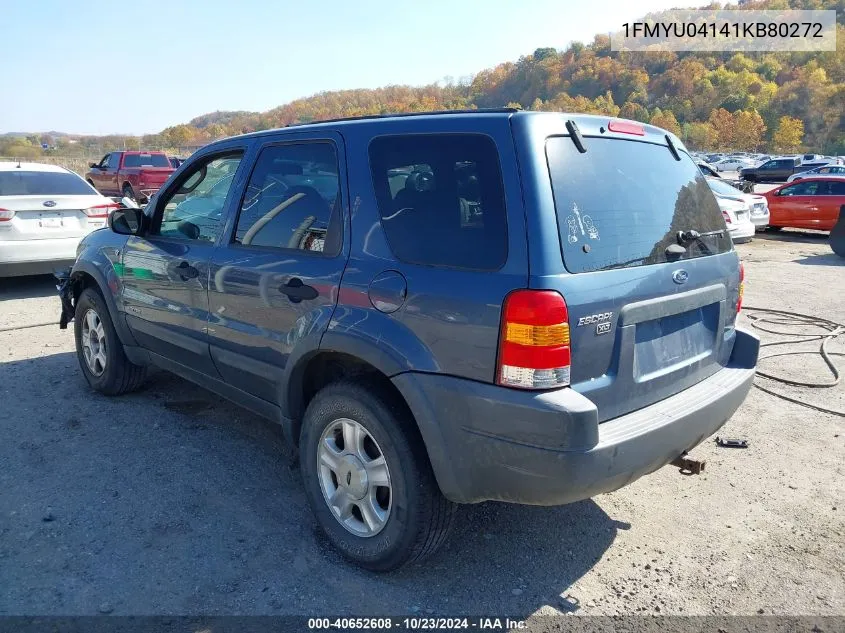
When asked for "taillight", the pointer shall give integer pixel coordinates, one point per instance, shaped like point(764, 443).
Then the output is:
point(727, 217)
point(741, 287)
point(534, 350)
point(101, 210)
point(6, 215)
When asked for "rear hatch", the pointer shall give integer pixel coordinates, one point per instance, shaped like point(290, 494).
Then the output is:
point(47, 204)
point(49, 217)
point(649, 314)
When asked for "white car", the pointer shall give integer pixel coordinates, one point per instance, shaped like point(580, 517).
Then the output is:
point(757, 204)
point(733, 164)
point(44, 212)
point(824, 170)
point(735, 209)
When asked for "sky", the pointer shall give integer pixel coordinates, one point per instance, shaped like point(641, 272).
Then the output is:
point(96, 67)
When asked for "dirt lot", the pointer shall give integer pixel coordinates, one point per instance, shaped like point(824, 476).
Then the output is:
point(171, 501)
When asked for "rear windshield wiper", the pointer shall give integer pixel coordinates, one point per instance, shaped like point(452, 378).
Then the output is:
point(687, 237)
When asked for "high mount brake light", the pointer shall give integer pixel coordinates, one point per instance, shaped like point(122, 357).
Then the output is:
point(626, 127)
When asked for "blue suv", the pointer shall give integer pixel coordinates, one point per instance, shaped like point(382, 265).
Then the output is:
point(438, 308)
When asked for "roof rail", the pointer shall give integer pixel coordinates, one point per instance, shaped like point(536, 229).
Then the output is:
point(365, 117)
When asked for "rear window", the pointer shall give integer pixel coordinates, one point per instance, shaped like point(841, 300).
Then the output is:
point(146, 160)
point(623, 202)
point(441, 199)
point(43, 183)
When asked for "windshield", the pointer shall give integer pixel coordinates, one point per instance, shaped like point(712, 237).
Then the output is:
point(722, 188)
point(43, 183)
point(623, 202)
point(146, 160)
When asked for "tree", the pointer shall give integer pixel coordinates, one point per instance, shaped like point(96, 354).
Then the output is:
point(788, 135)
point(723, 124)
point(748, 129)
point(700, 136)
point(666, 120)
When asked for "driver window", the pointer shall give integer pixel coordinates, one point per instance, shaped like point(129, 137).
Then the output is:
point(195, 210)
point(105, 162)
point(292, 200)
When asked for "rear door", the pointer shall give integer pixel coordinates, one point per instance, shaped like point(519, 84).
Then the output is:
point(165, 273)
point(830, 200)
point(645, 321)
point(275, 279)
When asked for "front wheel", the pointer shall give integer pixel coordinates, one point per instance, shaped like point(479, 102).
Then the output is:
point(99, 350)
point(128, 192)
point(368, 478)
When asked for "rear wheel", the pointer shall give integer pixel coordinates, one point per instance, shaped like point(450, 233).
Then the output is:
point(368, 478)
point(99, 350)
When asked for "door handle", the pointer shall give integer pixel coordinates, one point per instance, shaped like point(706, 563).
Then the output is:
point(186, 271)
point(297, 291)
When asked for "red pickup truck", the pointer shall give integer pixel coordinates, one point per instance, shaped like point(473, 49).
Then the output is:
point(137, 175)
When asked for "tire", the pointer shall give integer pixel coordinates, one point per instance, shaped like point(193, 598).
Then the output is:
point(416, 517)
point(110, 373)
point(128, 192)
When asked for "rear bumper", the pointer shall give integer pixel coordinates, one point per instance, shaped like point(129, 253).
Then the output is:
point(35, 257)
point(491, 443)
point(742, 232)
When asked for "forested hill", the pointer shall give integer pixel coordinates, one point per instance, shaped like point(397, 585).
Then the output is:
point(774, 102)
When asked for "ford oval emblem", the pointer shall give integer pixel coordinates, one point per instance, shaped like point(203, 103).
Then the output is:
point(49, 203)
point(680, 276)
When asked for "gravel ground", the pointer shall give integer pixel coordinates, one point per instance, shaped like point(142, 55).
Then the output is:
point(172, 501)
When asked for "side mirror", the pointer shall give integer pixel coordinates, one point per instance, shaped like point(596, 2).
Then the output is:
point(126, 221)
point(94, 165)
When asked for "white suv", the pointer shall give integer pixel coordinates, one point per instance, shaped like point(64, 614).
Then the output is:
point(44, 211)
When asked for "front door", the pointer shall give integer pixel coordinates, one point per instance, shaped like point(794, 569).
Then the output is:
point(98, 174)
point(165, 272)
point(275, 281)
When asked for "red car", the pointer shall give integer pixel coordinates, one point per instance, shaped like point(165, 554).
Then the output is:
point(137, 175)
point(810, 203)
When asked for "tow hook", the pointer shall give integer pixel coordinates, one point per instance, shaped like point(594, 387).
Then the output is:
point(688, 466)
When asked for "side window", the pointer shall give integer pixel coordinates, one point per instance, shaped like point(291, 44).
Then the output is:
point(194, 211)
point(804, 188)
point(772, 164)
point(441, 199)
point(292, 200)
point(837, 187)
point(114, 160)
point(105, 162)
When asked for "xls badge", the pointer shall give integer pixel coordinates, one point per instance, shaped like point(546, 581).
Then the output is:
point(602, 321)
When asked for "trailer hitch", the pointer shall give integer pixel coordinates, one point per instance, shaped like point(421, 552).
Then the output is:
point(688, 466)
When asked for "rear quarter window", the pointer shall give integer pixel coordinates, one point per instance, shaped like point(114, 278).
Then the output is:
point(441, 199)
point(622, 203)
